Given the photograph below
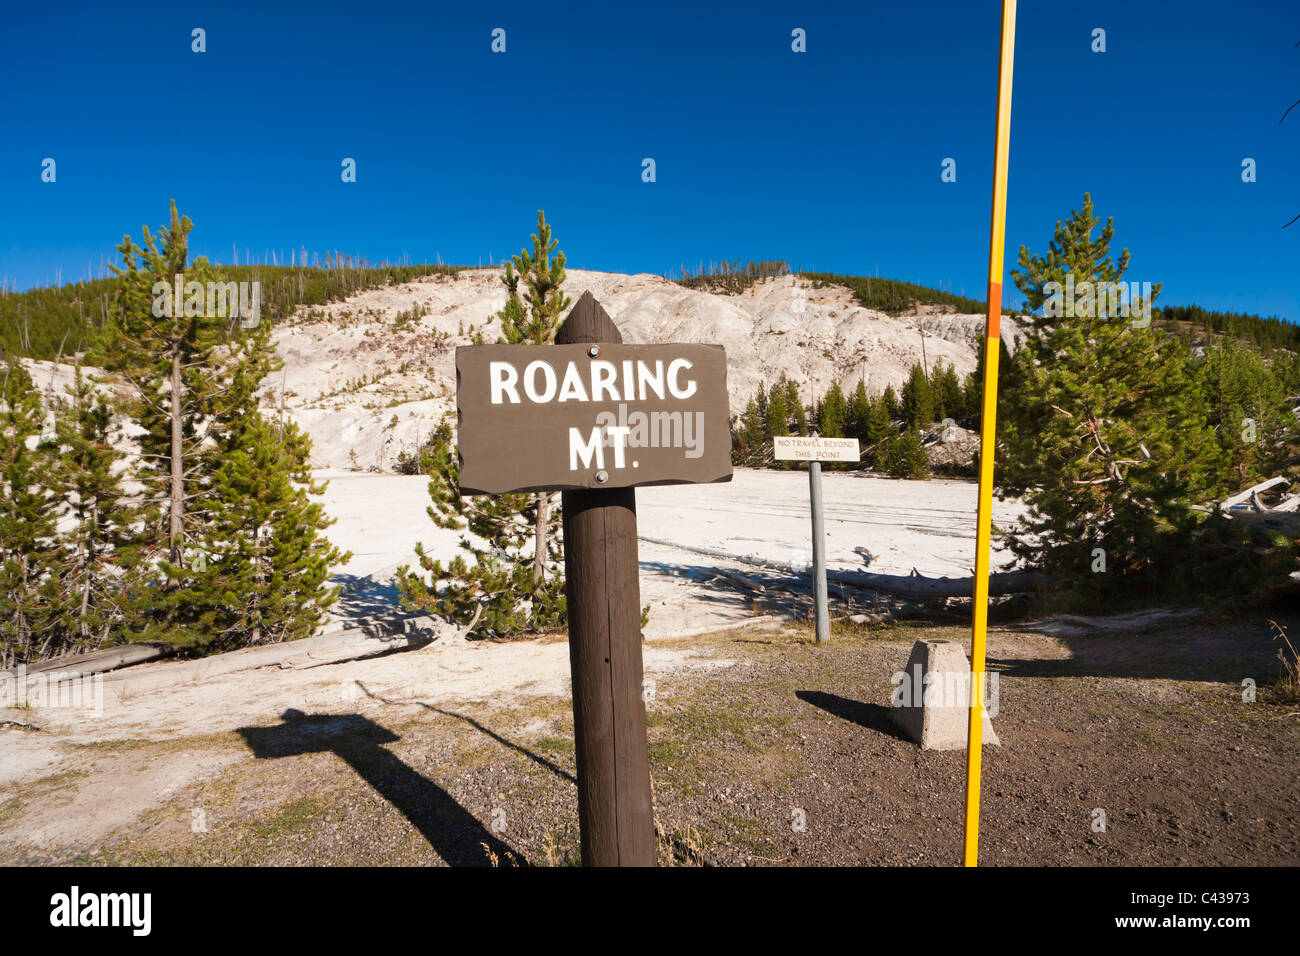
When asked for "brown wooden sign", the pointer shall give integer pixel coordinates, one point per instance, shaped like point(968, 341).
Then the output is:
point(604, 415)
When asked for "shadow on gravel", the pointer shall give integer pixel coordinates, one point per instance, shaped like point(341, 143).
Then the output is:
point(517, 748)
point(453, 832)
point(1218, 654)
point(871, 716)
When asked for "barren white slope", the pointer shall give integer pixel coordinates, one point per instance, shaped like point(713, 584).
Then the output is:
point(777, 326)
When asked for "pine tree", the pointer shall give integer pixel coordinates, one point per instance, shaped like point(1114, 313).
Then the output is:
point(164, 346)
point(859, 413)
point(504, 587)
point(1105, 429)
point(752, 430)
point(268, 560)
point(892, 407)
point(493, 590)
point(533, 320)
point(262, 559)
point(972, 392)
point(833, 413)
point(1248, 412)
point(949, 398)
point(906, 456)
point(778, 414)
point(795, 404)
point(879, 432)
point(918, 399)
point(29, 591)
point(100, 567)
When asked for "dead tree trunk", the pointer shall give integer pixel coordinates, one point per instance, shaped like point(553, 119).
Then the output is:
point(177, 531)
point(543, 517)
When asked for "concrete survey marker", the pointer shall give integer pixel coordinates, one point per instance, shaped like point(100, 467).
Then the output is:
point(931, 703)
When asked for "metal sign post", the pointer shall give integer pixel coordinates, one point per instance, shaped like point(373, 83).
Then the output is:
point(814, 450)
point(823, 613)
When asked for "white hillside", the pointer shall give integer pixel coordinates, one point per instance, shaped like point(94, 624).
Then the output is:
point(354, 366)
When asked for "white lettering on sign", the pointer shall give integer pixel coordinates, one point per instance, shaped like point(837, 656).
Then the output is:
point(594, 447)
point(503, 377)
point(572, 387)
point(590, 381)
point(796, 448)
point(644, 378)
point(603, 377)
point(673, 368)
point(530, 382)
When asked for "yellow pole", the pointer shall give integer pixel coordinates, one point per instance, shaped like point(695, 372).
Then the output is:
point(988, 424)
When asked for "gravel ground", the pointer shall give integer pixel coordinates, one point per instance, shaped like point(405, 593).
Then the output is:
point(784, 756)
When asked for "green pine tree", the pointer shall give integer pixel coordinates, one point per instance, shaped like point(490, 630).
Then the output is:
point(1248, 411)
point(906, 456)
point(1105, 429)
point(859, 413)
point(494, 589)
point(533, 320)
point(29, 586)
point(260, 561)
point(778, 413)
point(267, 559)
point(504, 589)
point(833, 413)
point(892, 407)
point(101, 570)
point(752, 433)
point(918, 399)
point(795, 404)
point(164, 347)
point(880, 430)
point(950, 399)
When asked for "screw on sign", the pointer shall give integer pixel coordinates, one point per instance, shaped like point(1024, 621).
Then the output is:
point(594, 418)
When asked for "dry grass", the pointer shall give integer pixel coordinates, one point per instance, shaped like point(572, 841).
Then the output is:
point(1287, 686)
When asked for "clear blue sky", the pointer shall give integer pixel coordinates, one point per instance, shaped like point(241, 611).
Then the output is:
point(830, 158)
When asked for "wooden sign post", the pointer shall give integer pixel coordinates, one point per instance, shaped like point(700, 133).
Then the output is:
point(594, 418)
point(814, 450)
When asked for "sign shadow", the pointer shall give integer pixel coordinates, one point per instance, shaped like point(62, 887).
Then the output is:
point(452, 831)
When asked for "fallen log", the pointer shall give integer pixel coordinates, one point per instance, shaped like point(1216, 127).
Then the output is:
point(1242, 497)
point(100, 661)
point(747, 583)
point(919, 587)
point(334, 648)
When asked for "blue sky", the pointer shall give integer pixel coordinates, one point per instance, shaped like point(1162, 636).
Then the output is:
point(829, 158)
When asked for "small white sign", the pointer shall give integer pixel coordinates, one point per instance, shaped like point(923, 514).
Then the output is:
point(796, 448)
